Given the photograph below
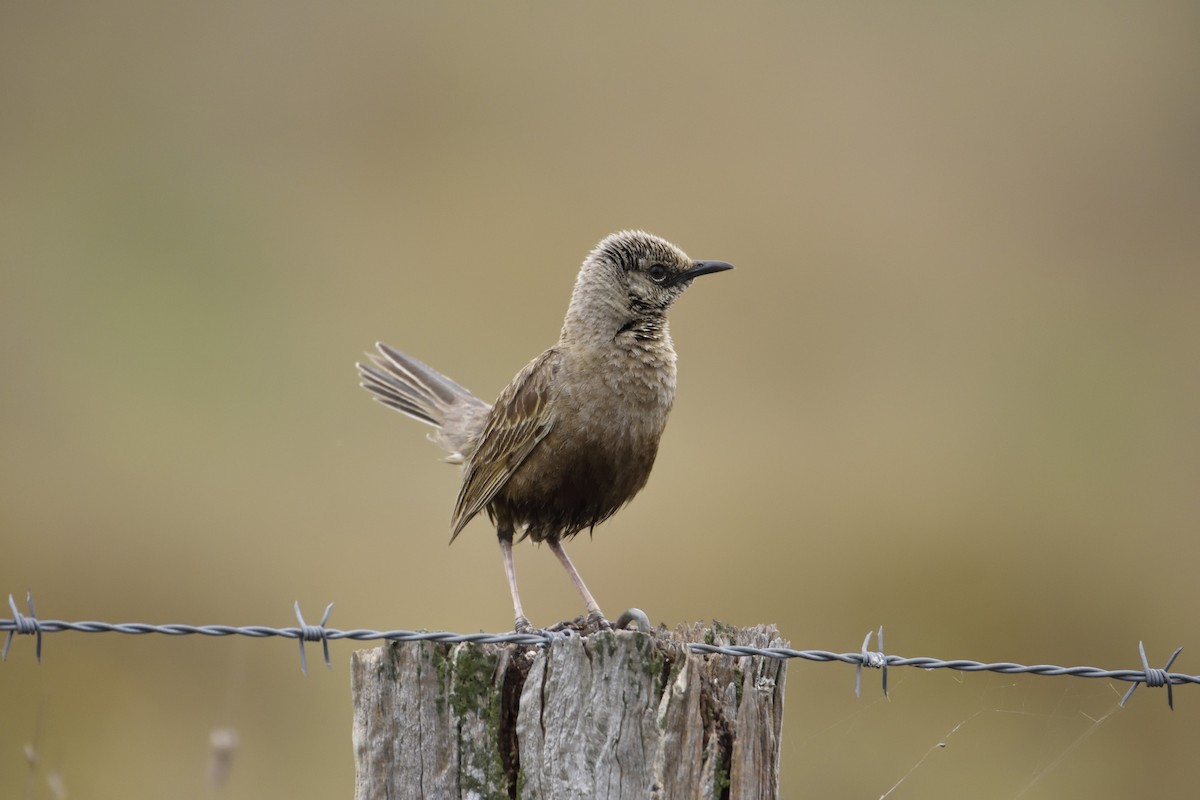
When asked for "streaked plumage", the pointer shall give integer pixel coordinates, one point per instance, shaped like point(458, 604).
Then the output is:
point(574, 436)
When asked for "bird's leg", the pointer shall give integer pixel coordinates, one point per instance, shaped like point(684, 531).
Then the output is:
point(505, 533)
point(595, 615)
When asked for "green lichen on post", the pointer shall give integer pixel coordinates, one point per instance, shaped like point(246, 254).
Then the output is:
point(722, 629)
point(440, 656)
point(721, 783)
point(475, 695)
point(653, 658)
point(385, 671)
point(520, 783)
point(671, 674)
point(472, 673)
point(605, 644)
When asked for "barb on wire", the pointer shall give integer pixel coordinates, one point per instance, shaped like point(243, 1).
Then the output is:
point(1154, 677)
point(313, 633)
point(872, 660)
point(22, 624)
point(30, 624)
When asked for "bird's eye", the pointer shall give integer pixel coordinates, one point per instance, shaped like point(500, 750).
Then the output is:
point(657, 273)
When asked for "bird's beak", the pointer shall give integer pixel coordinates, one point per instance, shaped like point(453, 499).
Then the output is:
point(704, 268)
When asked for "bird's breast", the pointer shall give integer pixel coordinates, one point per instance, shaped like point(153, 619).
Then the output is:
point(608, 414)
point(576, 479)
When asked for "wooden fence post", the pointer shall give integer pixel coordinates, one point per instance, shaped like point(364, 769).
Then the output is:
point(613, 714)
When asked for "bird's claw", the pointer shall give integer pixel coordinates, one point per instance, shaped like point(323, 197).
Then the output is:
point(596, 620)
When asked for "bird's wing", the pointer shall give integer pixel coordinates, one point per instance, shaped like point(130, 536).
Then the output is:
point(518, 421)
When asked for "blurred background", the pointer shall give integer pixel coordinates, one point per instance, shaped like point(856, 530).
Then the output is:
point(952, 387)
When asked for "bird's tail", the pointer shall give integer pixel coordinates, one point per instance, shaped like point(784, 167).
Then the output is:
point(402, 382)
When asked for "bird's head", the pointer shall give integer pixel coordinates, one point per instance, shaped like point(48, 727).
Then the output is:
point(628, 282)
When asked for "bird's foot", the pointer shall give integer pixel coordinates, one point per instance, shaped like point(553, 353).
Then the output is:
point(596, 621)
point(523, 625)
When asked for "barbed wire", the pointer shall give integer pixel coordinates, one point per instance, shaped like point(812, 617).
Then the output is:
point(30, 625)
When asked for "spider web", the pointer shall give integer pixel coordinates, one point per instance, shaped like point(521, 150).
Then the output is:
point(971, 735)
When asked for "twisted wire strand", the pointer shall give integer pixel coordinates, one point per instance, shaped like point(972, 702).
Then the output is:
point(21, 624)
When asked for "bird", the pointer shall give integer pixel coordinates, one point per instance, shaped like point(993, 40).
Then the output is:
point(573, 437)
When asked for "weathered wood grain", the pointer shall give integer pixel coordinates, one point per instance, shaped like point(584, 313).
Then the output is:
point(615, 714)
